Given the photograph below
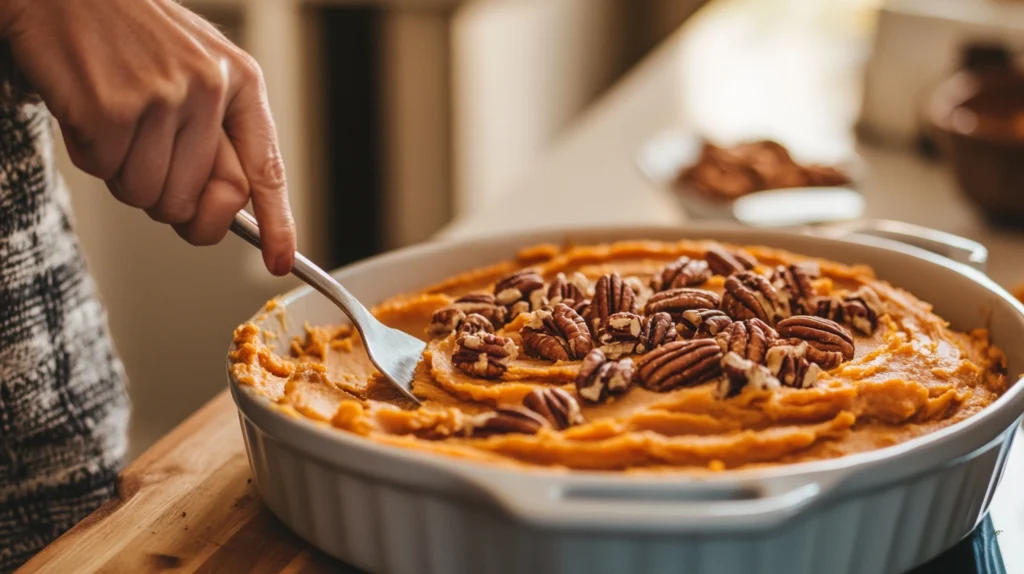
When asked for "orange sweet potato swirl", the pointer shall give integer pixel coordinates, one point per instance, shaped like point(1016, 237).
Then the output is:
point(912, 376)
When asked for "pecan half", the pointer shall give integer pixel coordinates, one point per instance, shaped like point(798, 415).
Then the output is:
point(749, 296)
point(861, 309)
point(559, 334)
point(702, 323)
point(741, 373)
point(520, 292)
point(794, 282)
point(724, 262)
point(829, 307)
point(657, 329)
point(483, 354)
point(599, 378)
point(620, 334)
point(683, 272)
point(675, 302)
point(822, 334)
point(790, 364)
point(475, 323)
point(750, 339)
point(678, 364)
point(611, 295)
point(557, 406)
point(562, 288)
point(448, 318)
point(508, 419)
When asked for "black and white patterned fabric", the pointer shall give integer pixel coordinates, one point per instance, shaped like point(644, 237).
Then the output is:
point(63, 406)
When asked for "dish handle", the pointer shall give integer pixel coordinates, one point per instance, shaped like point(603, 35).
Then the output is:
point(665, 506)
point(955, 247)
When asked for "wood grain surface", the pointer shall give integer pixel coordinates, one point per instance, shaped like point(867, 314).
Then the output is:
point(186, 505)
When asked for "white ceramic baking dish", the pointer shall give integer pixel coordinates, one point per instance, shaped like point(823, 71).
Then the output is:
point(398, 511)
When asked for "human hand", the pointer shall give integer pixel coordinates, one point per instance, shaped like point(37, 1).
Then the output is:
point(155, 101)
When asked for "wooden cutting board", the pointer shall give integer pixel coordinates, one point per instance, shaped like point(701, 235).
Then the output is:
point(186, 505)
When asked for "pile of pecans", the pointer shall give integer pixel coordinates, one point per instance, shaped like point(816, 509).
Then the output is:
point(728, 173)
point(764, 331)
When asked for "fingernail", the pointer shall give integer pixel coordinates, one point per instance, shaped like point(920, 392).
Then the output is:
point(283, 265)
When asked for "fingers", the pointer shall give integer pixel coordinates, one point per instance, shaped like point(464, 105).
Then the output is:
point(251, 128)
point(195, 150)
point(141, 177)
point(226, 192)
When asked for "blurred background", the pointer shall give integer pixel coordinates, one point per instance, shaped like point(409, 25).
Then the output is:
point(398, 118)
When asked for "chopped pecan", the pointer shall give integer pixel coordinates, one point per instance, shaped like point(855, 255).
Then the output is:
point(599, 378)
point(790, 364)
point(724, 262)
point(750, 339)
point(562, 288)
point(475, 323)
point(657, 329)
point(557, 406)
point(483, 354)
point(683, 272)
point(620, 334)
point(508, 419)
point(611, 295)
point(829, 307)
point(702, 323)
point(794, 282)
point(749, 295)
point(520, 292)
point(740, 373)
point(675, 302)
point(861, 309)
point(448, 318)
point(821, 334)
point(559, 334)
point(682, 363)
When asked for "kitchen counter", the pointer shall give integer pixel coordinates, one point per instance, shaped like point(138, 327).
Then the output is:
point(187, 503)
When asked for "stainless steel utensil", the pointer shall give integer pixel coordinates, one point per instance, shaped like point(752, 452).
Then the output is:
point(394, 353)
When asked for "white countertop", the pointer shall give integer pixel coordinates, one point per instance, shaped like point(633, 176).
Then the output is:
point(589, 175)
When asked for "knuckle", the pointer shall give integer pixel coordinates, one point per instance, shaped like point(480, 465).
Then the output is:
point(209, 79)
point(170, 95)
point(270, 172)
point(249, 70)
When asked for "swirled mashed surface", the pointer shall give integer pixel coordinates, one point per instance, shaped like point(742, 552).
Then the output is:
point(913, 375)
